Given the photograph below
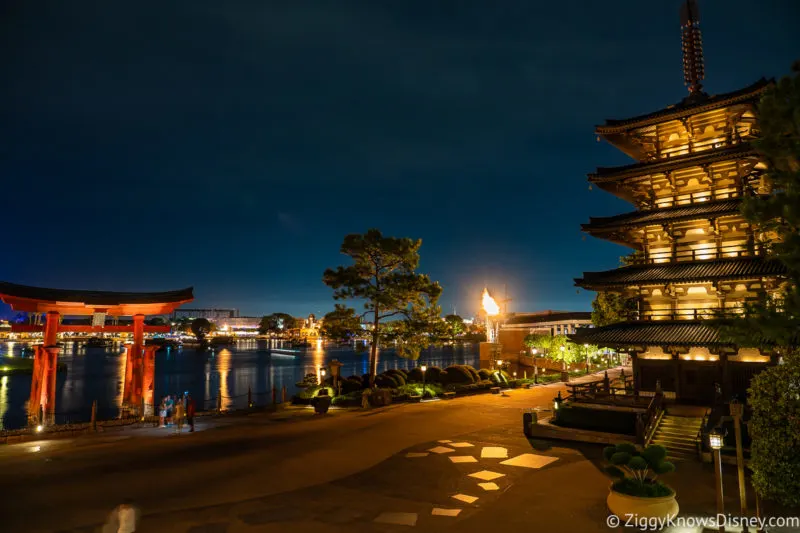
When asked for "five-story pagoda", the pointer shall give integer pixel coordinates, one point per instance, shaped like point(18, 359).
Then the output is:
point(695, 257)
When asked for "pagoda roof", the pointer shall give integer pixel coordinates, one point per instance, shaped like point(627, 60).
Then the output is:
point(550, 316)
point(695, 271)
point(659, 332)
point(69, 301)
point(691, 105)
point(701, 210)
point(738, 151)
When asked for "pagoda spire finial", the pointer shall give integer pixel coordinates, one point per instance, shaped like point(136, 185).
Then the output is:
point(693, 64)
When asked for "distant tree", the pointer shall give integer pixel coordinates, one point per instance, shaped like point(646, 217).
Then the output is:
point(549, 346)
point(157, 321)
point(341, 324)
point(611, 307)
point(277, 324)
point(201, 327)
point(383, 275)
point(455, 326)
point(773, 323)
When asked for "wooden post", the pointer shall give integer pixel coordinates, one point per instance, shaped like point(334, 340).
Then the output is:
point(737, 410)
point(94, 415)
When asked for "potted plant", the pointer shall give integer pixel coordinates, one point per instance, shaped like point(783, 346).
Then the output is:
point(636, 489)
point(321, 402)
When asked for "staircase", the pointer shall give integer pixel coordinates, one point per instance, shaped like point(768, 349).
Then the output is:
point(678, 435)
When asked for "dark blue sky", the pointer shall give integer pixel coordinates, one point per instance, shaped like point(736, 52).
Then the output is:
point(231, 145)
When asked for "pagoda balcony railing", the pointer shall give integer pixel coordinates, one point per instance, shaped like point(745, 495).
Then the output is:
point(701, 313)
point(698, 254)
point(698, 197)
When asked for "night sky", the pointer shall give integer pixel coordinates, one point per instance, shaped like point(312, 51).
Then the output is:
point(230, 145)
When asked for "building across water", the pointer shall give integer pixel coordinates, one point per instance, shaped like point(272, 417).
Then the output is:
point(695, 257)
point(212, 314)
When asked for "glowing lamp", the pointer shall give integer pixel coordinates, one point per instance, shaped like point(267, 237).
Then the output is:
point(499, 362)
point(535, 351)
point(423, 368)
point(562, 348)
point(322, 372)
point(39, 428)
point(716, 439)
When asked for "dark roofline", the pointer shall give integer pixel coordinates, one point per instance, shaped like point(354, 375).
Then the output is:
point(684, 272)
point(738, 151)
point(94, 297)
point(687, 107)
point(717, 208)
point(652, 333)
point(538, 318)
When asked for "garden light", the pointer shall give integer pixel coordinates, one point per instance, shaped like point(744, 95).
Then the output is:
point(716, 439)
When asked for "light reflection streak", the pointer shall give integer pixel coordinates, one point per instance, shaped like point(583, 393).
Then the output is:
point(3, 399)
point(223, 359)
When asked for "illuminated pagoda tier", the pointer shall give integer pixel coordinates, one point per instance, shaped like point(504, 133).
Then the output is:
point(694, 257)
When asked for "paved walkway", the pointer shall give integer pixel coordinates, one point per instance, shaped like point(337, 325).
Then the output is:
point(451, 464)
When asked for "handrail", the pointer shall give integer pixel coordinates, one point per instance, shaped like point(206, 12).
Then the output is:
point(699, 313)
point(711, 252)
point(654, 411)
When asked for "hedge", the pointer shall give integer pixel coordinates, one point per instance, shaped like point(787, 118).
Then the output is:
point(461, 374)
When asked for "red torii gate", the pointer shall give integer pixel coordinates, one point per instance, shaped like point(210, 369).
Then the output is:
point(140, 363)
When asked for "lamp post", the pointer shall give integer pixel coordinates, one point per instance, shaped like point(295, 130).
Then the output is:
point(564, 373)
point(716, 439)
point(586, 354)
point(737, 410)
point(535, 352)
point(423, 368)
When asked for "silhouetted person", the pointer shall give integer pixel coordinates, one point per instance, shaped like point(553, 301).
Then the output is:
point(190, 409)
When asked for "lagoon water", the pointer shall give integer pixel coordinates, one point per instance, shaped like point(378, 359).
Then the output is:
point(98, 373)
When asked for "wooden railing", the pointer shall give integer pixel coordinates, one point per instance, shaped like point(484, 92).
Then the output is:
point(703, 313)
point(703, 254)
point(648, 423)
point(602, 389)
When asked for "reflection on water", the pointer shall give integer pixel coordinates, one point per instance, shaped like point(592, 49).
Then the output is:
point(3, 399)
point(96, 373)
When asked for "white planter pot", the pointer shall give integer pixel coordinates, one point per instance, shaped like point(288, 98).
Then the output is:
point(660, 507)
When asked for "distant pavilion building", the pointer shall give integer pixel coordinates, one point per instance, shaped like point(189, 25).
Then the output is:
point(517, 326)
point(695, 256)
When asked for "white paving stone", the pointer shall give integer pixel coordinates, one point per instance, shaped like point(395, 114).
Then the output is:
point(463, 459)
point(412, 455)
point(400, 519)
point(461, 445)
point(530, 460)
point(466, 498)
point(494, 452)
point(486, 475)
point(441, 449)
point(489, 486)
point(438, 511)
point(443, 441)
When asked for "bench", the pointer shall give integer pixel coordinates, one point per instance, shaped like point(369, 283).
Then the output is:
point(449, 395)
point(495, 390)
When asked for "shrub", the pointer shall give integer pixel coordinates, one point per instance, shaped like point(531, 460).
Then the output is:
point(635, 472)
point(433, 374)
point(351, 399)
point(415, 374)
point(351, 385)
point(472, 372)
point(444, 378)
point(382, 381)
point(485, 373)
point(313, 392)
point(459, 374)
point(397, 375)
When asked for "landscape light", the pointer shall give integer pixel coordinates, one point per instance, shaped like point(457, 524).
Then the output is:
point(535, 351)
point(423, 367)
point(716, 439)
point(562, 348)
point(39, 428)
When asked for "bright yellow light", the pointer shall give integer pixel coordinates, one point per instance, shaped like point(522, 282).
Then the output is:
point(535, 351)
point(489, 305)
point(499, 362)
point(38, 429)
point(562, 348)
point(423, 368)
point(5, 369)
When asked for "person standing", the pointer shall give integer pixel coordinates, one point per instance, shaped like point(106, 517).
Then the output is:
point(190, 408)
point(179, 415)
